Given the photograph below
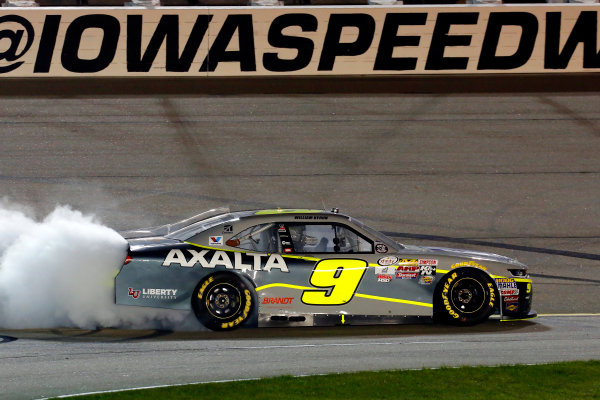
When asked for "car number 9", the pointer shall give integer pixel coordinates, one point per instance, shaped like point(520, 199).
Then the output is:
point(339, 279)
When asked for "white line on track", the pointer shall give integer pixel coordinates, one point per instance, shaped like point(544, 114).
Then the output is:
point(65, 396)
point(252, 379)
point(293, 346)
point(570, 315)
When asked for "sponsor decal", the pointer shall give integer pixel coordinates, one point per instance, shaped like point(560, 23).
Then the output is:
point(408, 261)
point(134, 293)
point(512, 307)
point(277, 300)
point(287, 250)
point(510, 299)
point(227, 228)
point(162, 294)
point(507, 286)
point(506, 283)
point(407, 275)
point(407, 269)
point(427, 267)
point(468, 264)
point(148, 293)
point(506, 280)
point(381, 248)
point(509, 292)
point(426, 280)
point(388, 260)
point(215, 240)
point(384, 278)
point(426, 270)
point(319, 217)
point(239, 261)
point(281, 228)
point(389, 270)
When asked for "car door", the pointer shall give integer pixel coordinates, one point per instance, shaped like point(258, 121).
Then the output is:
point(358, 275)
point(340, 261)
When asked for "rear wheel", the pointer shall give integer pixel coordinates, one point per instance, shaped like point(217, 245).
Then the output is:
point(465, 297)
point(223, 302)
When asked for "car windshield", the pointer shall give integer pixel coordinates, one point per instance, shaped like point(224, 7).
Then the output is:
point(187, 228)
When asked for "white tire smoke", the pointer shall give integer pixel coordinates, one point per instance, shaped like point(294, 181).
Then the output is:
point(59, 273)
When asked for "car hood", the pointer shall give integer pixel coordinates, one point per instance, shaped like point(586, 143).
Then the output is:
point(474, 255)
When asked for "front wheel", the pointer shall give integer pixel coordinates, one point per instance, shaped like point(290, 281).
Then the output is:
point(223, 302)
point(465, 297)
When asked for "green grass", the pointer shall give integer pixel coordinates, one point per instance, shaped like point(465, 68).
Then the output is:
point(572, 380)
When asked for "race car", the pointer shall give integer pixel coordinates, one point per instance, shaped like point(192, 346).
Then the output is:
point(296, 267)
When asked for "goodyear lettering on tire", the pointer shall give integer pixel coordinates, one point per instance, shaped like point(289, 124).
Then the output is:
point(244, 315)
point(447, 305)
point(204, 286)
point(492, 294)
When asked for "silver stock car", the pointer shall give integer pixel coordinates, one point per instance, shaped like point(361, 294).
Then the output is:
point(312, 268)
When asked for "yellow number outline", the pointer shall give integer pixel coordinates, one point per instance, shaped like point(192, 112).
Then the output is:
point(337, 280)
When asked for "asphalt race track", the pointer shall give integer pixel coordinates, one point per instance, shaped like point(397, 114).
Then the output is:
point(516, 174)
point(79, 362)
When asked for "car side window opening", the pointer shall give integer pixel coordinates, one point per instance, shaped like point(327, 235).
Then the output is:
point(327, 238)
point(260, 238)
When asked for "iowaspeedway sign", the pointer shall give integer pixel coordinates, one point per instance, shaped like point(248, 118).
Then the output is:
point(284, 41)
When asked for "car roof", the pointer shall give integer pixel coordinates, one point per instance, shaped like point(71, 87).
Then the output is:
point(287, 213)
point(216, 217)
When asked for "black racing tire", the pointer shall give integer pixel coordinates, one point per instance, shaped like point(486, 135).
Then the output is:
point(223, 301)
point(465, 297)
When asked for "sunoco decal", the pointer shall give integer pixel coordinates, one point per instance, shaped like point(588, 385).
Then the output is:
point(298, 41)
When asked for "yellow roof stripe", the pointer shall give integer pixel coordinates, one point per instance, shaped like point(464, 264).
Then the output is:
point(244, 251)
point(300, 257)
point(287, 211)
point(217, 248)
